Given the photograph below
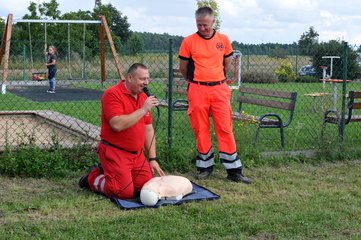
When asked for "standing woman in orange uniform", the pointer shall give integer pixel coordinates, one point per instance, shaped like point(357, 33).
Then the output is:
point(205, 58)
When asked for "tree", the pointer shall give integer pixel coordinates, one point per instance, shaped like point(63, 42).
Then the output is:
point(43, 10)
point(97, 3)
point(77, 34)
point(278, 53)
point(214, 5)
point(335, 48)
point(118, 24)
point(33, 11)
point(307, 41)
point(50, 9)
point(135, 44)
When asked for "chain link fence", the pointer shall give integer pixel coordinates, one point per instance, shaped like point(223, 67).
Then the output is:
point(71, 116)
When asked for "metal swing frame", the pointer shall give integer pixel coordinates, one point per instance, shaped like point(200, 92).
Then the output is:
point(103, 30)
point(40, 75)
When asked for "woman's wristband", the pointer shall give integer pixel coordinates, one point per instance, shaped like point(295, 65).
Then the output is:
point(153, 159)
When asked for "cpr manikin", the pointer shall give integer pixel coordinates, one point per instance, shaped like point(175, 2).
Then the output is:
point(167, 187)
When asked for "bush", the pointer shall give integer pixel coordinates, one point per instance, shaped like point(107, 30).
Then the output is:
point(307, 79)
point(31, 161)
point(259, 77)
point(285, 72)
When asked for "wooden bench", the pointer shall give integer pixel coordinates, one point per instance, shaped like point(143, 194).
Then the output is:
point(179, 87)
point(334, 117)
point(283, 101)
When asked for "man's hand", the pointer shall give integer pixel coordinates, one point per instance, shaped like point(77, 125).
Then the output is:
point(154, 166)
point(150, 102)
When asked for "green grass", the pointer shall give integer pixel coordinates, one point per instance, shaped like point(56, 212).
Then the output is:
point(319, 200)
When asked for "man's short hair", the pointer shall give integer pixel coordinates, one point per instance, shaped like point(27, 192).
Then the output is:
point(135, 66)
point(204, 11)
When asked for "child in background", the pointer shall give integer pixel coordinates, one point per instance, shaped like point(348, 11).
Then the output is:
point(52, 55)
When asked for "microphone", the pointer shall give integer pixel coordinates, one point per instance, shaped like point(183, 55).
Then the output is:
point(147, 92)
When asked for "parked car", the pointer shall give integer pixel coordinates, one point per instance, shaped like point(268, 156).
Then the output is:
point(307, 70)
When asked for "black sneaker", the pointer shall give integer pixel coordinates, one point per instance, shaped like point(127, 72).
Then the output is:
point(83, 182)
point(203, 174)
point(238, 177)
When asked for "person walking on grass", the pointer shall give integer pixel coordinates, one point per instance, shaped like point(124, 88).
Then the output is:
point(205, 58)
point(51, 57)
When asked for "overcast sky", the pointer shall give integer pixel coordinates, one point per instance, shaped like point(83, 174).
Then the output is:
point(246, 21)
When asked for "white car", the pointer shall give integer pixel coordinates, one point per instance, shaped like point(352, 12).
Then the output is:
point(307, 70)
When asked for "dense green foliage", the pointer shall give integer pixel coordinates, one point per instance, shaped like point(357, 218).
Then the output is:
point(135, 44)
point(259, 77)
point(265, 48)
point(284, 71)
point(31, 161)
point(336, 48)
point(307, 41)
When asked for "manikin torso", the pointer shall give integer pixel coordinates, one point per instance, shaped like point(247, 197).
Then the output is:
point(167, 187)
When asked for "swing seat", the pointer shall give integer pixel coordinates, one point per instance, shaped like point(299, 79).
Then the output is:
point(38, 76)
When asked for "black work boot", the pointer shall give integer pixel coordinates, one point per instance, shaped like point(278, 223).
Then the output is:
point(204, 173)
point(83, 182)
point(236, 175)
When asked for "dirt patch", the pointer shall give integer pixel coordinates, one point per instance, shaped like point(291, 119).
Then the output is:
point(29, 129)
point(44, 128)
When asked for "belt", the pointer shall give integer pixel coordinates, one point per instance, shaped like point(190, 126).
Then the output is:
point(211, 84)
point(115, 146)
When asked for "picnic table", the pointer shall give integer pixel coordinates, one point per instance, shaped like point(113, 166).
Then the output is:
point(334, 90)
point(316, 95)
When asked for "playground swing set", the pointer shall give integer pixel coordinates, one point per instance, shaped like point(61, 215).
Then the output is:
point(41, 75)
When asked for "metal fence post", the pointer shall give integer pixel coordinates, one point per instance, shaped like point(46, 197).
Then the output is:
point(344, 78)
point(296, 64)
point(249, 53)
point(24, 58)
point(170, 93)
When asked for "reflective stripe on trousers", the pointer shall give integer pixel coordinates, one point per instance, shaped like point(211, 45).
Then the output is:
point(205, 160)
point(230, 161)
point(99, 183)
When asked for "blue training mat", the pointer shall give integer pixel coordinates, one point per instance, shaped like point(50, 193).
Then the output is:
point(198, 193)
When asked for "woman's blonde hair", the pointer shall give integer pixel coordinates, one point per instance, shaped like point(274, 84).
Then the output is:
point(54, 48)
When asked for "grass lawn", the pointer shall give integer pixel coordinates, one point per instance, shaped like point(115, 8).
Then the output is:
point(287, 201)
